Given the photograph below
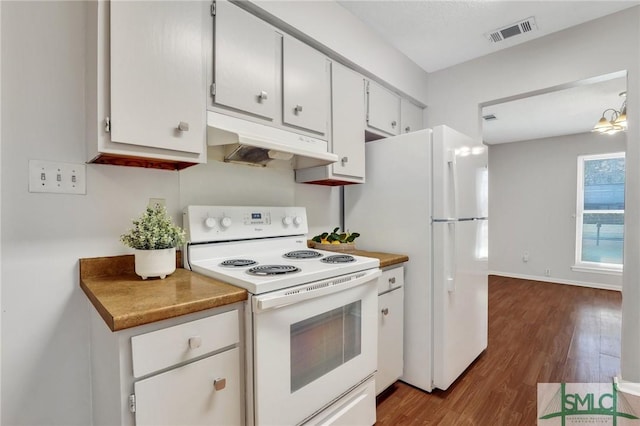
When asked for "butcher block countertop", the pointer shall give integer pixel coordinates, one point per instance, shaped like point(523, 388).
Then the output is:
point(386, 259)
point(125, 300)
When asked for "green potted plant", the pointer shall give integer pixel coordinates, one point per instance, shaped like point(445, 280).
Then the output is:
point(154, 238)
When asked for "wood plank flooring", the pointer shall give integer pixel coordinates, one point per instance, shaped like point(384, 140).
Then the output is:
point(538, 332)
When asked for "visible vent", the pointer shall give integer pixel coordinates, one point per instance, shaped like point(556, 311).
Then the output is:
point(524, 26)
point(489, 117)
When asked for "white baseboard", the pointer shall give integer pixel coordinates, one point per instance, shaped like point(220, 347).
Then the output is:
point(558, 281)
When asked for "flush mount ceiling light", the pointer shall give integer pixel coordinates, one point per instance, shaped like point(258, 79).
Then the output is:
point(617, 121)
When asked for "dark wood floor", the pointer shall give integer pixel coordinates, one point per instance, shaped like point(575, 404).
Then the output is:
point(538, 333)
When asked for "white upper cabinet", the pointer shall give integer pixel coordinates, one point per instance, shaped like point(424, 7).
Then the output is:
point(410, 117)
point(347, 113)
point(246, 61)
point(157, 75)
point(305, 86)
point(383, 109)
point(347, 132)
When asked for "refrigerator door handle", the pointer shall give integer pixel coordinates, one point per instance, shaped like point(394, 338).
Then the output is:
point(453, 168)
point(451, 275)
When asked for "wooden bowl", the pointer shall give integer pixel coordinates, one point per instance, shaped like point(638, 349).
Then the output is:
point(345, 247)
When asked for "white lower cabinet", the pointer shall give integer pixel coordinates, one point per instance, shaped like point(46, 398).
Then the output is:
point(205, 392)
point(390, 327)
point(181, 371)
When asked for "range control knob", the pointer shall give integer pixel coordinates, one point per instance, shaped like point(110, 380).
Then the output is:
point(287, 220)
point(297, 220)
point(210, 222)
point(225, 222)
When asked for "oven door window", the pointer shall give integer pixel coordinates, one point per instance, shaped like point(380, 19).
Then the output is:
point(322, 343)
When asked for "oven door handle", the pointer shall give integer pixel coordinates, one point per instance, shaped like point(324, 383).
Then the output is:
point(297, 294)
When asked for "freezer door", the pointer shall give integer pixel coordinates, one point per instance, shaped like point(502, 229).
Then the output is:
point(460, 297)
point(460, 177)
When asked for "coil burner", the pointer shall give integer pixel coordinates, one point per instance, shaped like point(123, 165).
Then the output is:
point(302, 254)
point(238, 263)
point(267, 270)
point(338, 258)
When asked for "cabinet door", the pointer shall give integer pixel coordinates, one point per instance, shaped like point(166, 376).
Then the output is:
point(390, 338)
point(157, 75)
point(305, 86)
point(188, 395)
point(383, 109)
point(410, 117)
point(245, 61)
point(347, 104)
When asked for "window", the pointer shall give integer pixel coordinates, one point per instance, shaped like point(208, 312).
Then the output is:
point(600, 212)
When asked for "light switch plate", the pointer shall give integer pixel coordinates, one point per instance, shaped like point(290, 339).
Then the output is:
point(57, 177)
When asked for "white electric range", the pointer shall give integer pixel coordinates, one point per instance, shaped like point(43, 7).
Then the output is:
point(311, 317)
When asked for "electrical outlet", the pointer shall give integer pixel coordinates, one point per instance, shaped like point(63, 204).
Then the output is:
point(525, 256)
point(547, 272)
point(56, 177)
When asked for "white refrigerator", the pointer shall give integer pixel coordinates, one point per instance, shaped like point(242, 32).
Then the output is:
point(426, 196)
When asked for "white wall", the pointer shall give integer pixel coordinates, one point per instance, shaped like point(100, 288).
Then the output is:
point(456, 94)
point(45, 336)
point(532, 206)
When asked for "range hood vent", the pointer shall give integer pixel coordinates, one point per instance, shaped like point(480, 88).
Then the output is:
point(501, 34)
point(256, 144)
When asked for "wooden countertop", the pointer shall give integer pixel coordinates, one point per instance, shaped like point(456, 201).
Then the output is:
point(125, 300)
point(386, 259)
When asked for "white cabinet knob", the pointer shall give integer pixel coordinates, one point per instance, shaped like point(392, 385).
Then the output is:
point(183, 126)
point(226, 222)
point(407, 129)
point(210, 222)
point(385, 311)
point(394, 124)
point(287, 220)
point(344, 160)
point(262, 96)
point(297, 109)
point(297, 220)
point(219, 383)
point(392, 280)
point(195, 342)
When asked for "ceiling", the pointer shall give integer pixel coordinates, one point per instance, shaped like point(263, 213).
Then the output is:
point(439, 34)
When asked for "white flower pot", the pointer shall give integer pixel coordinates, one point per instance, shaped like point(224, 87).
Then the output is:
point(155, 263)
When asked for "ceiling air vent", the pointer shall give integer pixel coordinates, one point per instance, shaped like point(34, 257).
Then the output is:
point(524, 26)
point(489, 117)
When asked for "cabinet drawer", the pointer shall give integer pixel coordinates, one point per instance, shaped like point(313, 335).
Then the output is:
point(390, 279)
point(205, 392)
point(170, 346)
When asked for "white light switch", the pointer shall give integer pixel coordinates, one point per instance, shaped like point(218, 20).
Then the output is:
point(56, 177)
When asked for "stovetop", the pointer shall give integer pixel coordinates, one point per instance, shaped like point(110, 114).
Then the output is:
point(260, 249)
point(267, 265)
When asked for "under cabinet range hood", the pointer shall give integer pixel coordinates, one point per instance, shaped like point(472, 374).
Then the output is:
point(256, 144)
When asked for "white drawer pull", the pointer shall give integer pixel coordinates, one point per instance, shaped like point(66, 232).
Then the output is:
point(219, 384)
point(297, 109)
point(392, 280)
point(262, 96)
point(393, 124)
point(385, 311)
point(195, 342)
point(183, 126)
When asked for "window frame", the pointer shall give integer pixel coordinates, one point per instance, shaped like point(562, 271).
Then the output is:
point(586, 266)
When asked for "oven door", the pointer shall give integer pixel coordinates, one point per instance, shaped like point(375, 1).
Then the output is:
point(312, 343)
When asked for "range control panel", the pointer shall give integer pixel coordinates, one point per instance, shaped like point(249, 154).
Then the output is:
point(229, 223)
